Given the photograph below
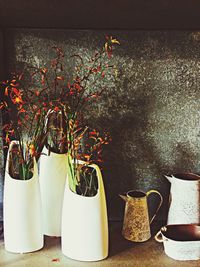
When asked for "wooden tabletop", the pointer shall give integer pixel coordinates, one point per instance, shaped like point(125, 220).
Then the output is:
point(122, 253)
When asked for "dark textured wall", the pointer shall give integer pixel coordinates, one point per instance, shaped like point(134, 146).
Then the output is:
point(1, 173)
point(151, 107)
point(2, 76)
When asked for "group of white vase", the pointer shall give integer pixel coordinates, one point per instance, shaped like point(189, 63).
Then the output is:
point(45, 205)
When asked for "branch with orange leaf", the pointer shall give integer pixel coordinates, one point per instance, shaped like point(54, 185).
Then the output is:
point(86, 149)
point(26, 125)
point(52, 111)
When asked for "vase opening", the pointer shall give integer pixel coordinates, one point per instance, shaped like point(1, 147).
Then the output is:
point(87, 181)
point(137, 194)
point(17, 170)
point(187, 176)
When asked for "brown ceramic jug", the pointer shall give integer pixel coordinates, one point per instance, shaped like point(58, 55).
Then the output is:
point(136, 226)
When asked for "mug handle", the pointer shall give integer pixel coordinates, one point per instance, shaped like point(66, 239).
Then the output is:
point(161, 201)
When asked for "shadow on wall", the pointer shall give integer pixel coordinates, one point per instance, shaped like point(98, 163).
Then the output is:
point(130, 160)
point(185, 157)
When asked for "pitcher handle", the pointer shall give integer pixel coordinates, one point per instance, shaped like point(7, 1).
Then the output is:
point(158, 237)
point(160, 204)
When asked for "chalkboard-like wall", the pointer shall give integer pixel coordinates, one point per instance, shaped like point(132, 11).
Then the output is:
point(2, 76)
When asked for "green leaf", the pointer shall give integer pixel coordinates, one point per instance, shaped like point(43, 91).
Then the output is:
point(70, 173)
point(25, 172)
point(21, 174)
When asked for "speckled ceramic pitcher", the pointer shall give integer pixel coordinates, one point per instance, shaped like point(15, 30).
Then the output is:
point(136, 226)
point(184, 206)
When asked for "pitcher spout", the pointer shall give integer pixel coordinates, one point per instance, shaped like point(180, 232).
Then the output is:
point(123, 197)
point(169, 178)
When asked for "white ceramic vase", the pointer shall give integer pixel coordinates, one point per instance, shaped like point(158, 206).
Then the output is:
point(85, 224)
point(22, 212)
point(52, 177)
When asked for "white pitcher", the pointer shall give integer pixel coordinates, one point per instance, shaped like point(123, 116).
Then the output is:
point(184, 199)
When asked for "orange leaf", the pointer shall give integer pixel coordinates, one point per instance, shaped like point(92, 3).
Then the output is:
point(115, 41)
point(93, 133)
point(44, 70)
point(43, 80)
point(37, 93)
point(56, 109)
point(87, 157)
point(6, 91)
point(21, 110)
point(20, 76)
point(94, 70)
point(56, 260)
point(32, 149)
point(17, 100)
point(15, 90)
point(60, 78)
point(14, 84)
point(103, 74)
point(7, 138)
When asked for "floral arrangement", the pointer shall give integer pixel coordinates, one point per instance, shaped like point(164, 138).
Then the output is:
point(52, 113)
point(26, 125)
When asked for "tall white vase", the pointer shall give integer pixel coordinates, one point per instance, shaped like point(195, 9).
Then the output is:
point(52, 177)
point(85, 224)
point(22, 212)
